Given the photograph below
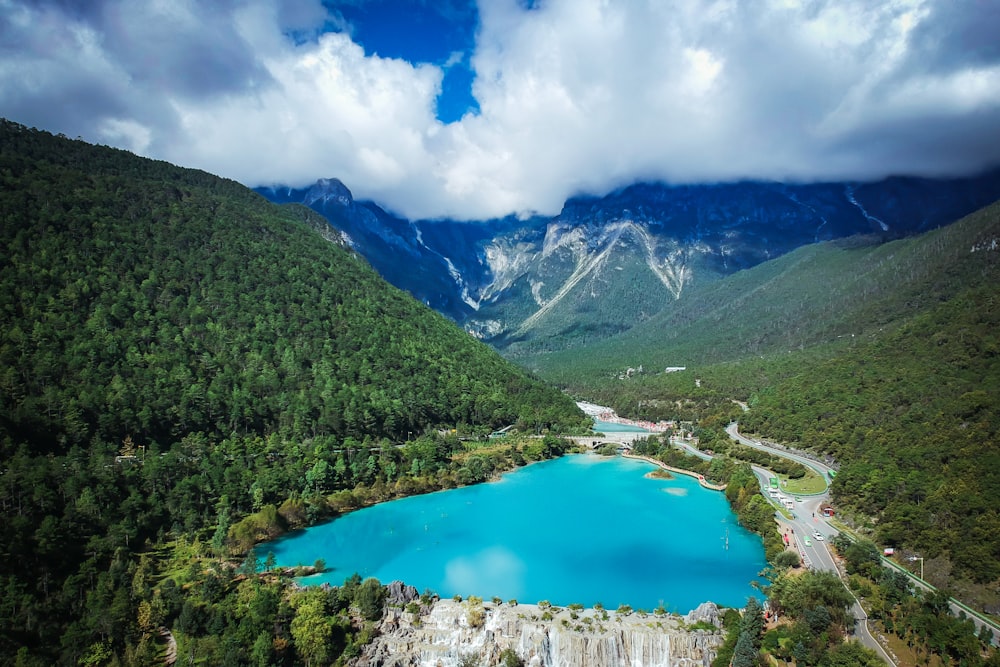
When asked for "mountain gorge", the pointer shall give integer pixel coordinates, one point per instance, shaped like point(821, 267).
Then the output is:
point(606, 263)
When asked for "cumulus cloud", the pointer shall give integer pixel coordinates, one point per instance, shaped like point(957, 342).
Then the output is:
point(574, 95)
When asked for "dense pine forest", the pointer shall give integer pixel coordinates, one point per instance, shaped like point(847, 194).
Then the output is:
point(187, 369)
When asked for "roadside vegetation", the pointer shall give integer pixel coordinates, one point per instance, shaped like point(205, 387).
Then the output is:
point(918, 624)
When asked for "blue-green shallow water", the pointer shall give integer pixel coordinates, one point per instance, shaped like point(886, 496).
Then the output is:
point(612, 427)
point(581, 528)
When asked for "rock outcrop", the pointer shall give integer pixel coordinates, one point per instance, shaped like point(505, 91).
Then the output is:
point(398, 594)
point(453, 633)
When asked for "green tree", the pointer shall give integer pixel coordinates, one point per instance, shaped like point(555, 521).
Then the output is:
point(851, 654)
point(369, 599)
point(745, 653)
point(312, 627)
point(263, 650)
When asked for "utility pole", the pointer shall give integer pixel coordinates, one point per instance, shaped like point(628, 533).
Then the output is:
point(921, 559)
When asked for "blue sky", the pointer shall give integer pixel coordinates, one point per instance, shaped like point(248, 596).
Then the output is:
point(437, 33)
point(479, 109)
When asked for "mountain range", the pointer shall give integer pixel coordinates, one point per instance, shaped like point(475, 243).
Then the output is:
point(606, 263)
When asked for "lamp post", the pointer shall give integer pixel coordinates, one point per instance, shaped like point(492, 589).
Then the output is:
point(921, 559)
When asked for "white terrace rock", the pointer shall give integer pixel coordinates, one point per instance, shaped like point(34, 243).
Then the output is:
point(443, 637)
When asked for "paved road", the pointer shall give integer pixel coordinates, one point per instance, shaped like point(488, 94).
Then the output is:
point(811, 504)
point(803, 527)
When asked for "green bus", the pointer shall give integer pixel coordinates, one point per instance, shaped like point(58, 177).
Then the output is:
point(774, 482)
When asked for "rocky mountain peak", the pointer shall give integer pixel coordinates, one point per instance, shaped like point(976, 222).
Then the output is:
point(328, 190)
point(608, 262)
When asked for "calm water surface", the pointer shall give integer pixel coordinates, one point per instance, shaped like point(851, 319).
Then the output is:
point(614, 427)
point(581, 528)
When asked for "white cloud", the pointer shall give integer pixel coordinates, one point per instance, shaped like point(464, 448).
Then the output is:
point(125, 133)
point(575, 95)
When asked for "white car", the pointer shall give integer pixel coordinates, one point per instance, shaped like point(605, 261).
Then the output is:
point(818, 535)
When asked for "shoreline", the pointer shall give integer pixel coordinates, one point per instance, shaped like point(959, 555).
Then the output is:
point(495, 478)
point(660, 464)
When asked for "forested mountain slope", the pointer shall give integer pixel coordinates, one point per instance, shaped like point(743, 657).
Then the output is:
point(177, 353)
point(143, 299)
point(883, 355)
point(833, 293)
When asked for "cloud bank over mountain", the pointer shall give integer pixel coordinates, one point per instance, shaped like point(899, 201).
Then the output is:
point(573, 95)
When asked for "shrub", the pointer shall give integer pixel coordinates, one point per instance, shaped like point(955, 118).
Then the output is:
point(475, 614)
point(508, 658)
point(786, 559)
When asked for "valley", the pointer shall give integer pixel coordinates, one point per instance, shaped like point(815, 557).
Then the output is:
point(499, 333)
point(189, 371)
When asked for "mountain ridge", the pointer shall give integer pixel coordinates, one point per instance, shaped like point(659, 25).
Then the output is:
point(814, 295)
point(554, 282)
point(169, 283)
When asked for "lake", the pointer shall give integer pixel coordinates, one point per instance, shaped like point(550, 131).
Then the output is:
point(615, 427)
point(581, 528)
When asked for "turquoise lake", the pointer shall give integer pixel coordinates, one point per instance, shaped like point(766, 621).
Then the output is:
point(612, 427)
point(581, 528)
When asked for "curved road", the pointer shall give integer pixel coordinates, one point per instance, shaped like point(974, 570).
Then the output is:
point(805, 524)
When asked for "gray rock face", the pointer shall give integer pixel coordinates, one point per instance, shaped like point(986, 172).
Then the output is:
point(399, 594)
point(706, 612)
point(453, 632)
